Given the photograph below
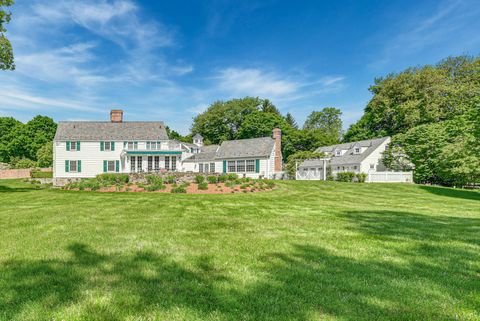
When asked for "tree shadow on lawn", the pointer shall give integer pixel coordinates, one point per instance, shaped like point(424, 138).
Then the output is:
point(452, 192)
point(309, 282)
point(7, 189)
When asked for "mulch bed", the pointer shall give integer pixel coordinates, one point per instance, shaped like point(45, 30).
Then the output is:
point(219, 188)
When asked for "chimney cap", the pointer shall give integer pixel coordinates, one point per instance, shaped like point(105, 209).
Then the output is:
point(116, 115)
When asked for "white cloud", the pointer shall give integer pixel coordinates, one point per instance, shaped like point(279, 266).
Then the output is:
point(254, 82)
point(16, 99)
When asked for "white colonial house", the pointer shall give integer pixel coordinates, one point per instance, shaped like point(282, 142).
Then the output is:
point(84, 149)
point(359, 157)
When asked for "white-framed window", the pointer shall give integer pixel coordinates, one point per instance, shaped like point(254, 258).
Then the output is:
point(157, 163)
point(73, 146)
point(110, 166)
point(372, 166)
point(132, 164)
point(205, 168)
point(240, 166)
point(107, 146)
point(150, 163)
point(231, 166)
point(212, 167)
point(200, 168)
point(73, 166)
point(250, 165)
point(167, 162)
point(338, 152)
point(174, 163)
point(357, 150)
point(139, 163)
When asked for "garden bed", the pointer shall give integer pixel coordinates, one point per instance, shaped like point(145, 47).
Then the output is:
point(223, 184)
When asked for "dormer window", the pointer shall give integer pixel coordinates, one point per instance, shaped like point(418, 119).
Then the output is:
point(357, 150)
point(338, 152)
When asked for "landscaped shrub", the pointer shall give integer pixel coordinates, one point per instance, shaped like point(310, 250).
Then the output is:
point(155, 187)
point(179, 189)
point(199, 179)
point(171, 179)
point(212, 179)
point(345, 176)
point(361, 177)
point(108, 179)
point(222, 178)
point(154, 180)
point(232, 176)
point(40, 174)
point(203, 186)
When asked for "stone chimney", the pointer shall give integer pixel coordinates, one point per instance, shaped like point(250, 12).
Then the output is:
point(116, 115)
point(277, 136)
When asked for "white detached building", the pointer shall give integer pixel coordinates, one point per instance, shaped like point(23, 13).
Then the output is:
point(84, 149)
point(359, 157)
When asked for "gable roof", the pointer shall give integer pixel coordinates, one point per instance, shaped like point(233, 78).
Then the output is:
point(240, 148)
point(207, 153)
point(349, 157)
point(105, 130)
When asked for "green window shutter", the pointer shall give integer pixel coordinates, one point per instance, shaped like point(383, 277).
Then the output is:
point(224, 166)
point(68, 146)
point(112, 146)
point(67, 166)
point(105, 166)
point(102, 146)
point(124, 144)
point(79, 166)
point(257, 166)
point(117, 166)
point(78, 146)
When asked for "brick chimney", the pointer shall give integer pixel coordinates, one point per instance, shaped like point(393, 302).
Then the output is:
point(277, 136)
point(116, 115)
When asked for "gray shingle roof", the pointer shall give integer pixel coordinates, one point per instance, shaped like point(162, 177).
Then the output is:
point(240, 148)
point(102, 130)
point(349, 157)
point(207, 153)
point(244, 148)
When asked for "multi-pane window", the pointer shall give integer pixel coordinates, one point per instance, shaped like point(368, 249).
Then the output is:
point(73, 146)
point(212, 167)
point(174, 163)
point(231, 166)
point(240, 166)
point(107, 145)
point(157, 163)
point(153, 145)
point(110, 166)
point(200, 168)
point(150, 163)
point(73, 166)
point(132, 164)
point(250, 165)
point(357, 150)
point(167, 162)
point(130, 145)
point(139, 163)
point(205, 168)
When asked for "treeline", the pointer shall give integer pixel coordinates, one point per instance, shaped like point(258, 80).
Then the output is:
point(432, 114)
point(251, 117)
point(27, 145)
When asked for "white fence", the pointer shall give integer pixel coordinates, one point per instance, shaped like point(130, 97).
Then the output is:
point(309, 175)
point(390, 177)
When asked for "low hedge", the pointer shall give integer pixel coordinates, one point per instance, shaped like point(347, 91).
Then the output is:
point(40, 174)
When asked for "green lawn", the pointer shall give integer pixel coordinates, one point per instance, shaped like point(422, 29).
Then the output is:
point(306, 251)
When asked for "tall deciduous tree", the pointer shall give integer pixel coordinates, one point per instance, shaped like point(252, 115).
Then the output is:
point(328, 120)
point(222, 120)
point(419, 96)
point(6, 51)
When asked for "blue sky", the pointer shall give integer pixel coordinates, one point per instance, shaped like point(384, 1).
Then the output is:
point(168, 60)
